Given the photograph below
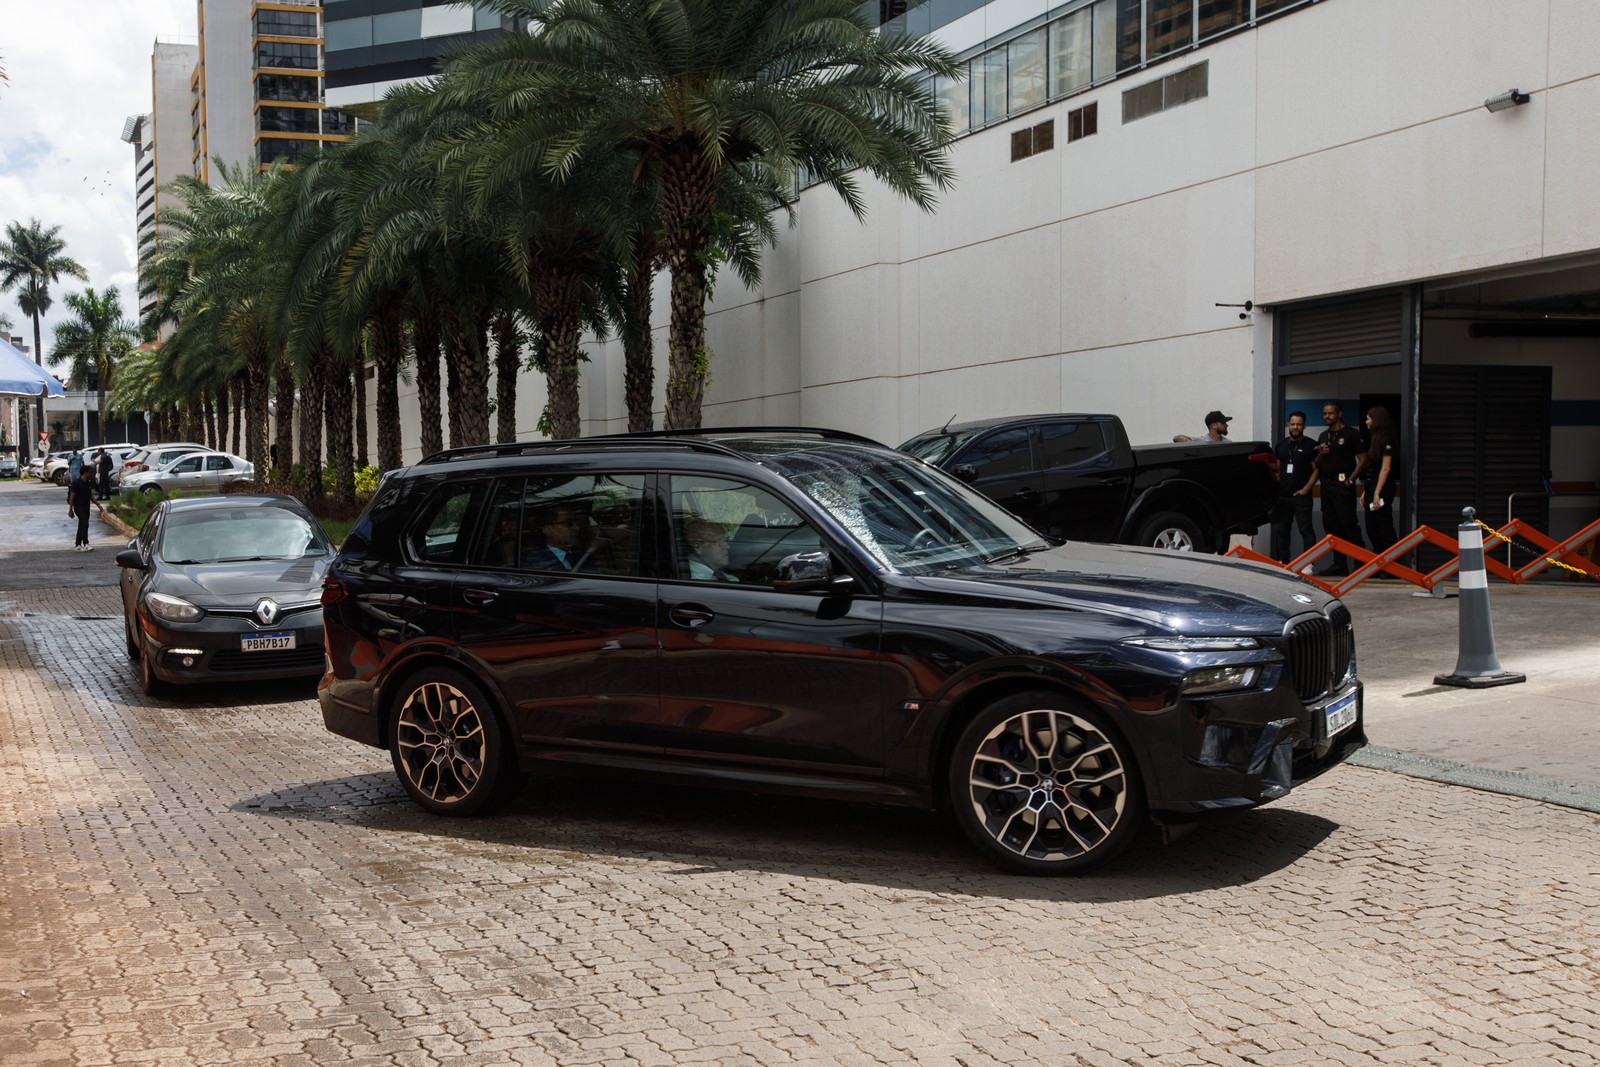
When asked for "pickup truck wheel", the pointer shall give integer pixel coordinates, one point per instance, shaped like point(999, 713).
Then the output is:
point(1043, 785)
point(1171, 531)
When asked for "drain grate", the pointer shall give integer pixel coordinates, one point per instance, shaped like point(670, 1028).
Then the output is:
point(1511, 783)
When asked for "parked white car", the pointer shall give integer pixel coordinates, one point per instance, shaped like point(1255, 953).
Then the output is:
point(152, 457)
point(192, 470)
point(57, 465)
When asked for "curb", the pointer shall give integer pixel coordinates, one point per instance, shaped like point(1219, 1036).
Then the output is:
point(1511, 783)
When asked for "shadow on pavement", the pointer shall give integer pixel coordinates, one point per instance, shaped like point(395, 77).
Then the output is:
point(713, 831)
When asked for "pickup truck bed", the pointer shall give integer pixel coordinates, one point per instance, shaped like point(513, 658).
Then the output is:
point(1076, 477)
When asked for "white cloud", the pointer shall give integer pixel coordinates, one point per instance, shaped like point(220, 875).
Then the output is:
point(78, 69)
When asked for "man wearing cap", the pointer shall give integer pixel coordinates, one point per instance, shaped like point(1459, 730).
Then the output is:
point(1216, 430)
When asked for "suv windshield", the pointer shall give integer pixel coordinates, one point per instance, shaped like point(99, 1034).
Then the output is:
point(909, 516)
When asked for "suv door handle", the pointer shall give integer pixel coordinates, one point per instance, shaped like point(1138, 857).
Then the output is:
point(690, 616)
point(480, 597)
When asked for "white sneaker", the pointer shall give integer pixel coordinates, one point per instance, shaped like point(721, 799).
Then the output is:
point(88, 548)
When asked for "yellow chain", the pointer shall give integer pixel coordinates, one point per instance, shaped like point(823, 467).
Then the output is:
point(1550, 560)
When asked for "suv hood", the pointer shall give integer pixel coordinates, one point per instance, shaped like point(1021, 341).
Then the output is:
point(1176, 592)
point(219, 585)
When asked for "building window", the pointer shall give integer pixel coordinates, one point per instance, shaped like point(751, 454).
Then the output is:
point(1026, 78)
point(446, 19)
point(953, 95)
point(1220, 16)
point(1033, 140)
point(286, 120)
point(286, 55)
point(347, 33)
point(270, 23)
point(989, 86)
point(397, 26)
point(338, 122)
point(1083, 121)
point(1191, 83)
point(286, 87)
point(1071, 52)
point(1130, 34)
point(272, 149)
point(1169, 27)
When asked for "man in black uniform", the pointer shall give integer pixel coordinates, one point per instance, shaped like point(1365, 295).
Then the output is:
point(80, 495)
point(1339, 455)
point(1297, 458)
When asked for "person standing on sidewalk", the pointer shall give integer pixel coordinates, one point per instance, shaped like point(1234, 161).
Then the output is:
point(1338, 461)
point(1297, 459)
point(102, 466)
point(1380, 478)
point(80, 495)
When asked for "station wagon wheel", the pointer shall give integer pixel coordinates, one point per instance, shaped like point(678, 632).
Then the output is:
point(152, 685)
point(129, 639)
point(1171, 531)
point(1043, 786)
point(449, 748)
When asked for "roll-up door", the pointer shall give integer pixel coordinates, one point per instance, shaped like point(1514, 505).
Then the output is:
point(1484, 435)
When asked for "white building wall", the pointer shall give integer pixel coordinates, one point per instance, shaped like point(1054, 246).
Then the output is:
point(1342, 147)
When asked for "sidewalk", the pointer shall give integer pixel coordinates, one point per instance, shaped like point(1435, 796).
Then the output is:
point(1547, 726)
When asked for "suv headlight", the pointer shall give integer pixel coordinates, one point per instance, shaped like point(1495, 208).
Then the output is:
point(172, 608)
point(1220, 679)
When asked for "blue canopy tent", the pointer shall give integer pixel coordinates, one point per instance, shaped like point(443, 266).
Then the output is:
point(20, 376)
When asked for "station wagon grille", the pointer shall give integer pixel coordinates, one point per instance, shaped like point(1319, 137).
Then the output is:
point(288, 660)
point(1318, 651)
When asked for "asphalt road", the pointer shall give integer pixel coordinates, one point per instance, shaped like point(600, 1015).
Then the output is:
point(216, 879)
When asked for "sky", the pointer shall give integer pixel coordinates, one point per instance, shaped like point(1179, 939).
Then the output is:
point(77, 69)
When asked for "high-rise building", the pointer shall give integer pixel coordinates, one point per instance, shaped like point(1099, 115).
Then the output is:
point(160, 149)
point(376, 44)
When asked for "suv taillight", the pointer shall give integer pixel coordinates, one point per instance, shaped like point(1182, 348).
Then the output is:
point(1270, 459)
point(333, 591)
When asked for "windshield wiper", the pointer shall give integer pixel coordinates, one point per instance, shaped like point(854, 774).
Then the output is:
point(248, 559)
point(1019, 552)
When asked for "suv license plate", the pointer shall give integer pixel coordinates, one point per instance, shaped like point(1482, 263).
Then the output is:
point(267, 642)
point(1340, 715)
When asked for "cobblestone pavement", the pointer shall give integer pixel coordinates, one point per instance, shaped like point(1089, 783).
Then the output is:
point(216, 879)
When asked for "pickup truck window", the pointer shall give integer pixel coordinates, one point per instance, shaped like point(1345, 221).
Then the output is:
point(935, 447)
point(1002, 452)
point(1067, 444)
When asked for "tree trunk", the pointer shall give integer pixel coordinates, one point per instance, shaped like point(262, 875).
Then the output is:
point(688, 362)
point(284, 440)
point(507, 366)
point(236, 387)
point(313, 411)
point(469, 381)
point(425, 344)
point(388, 345)
point(100, 407)
point(638, 356)
point(455, 404)
point(256, 372)
point(558, 296)
point(222, 417)
point(359, 385)
point(338, 404)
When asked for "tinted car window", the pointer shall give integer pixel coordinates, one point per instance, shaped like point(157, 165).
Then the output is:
point(216, 535)
point(186, 466)
point(219, 463)
point(439, 534)
point(934, 447)
point(565, 522)
point(731, 531)
point(1067, 444)
point(999, 453)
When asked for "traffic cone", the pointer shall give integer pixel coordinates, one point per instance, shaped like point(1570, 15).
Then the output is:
point(1477, 666)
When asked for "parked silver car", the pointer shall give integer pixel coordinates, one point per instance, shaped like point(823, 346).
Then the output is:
point(192, 470)
point(8, 466)
point(152, 457)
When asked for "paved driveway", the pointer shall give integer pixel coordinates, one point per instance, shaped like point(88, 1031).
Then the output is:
point(215, 879)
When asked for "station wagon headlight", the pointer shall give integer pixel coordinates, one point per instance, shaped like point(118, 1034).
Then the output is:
point(1196, 644)
point(172, 609)
point(1219, 679)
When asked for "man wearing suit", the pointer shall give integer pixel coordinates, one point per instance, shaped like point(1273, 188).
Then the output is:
point(708, 551)
point(560, 551)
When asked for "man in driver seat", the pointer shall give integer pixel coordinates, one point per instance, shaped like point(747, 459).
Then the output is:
point(708, 551)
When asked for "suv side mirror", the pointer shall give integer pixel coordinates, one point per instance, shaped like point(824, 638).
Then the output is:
point(130, 558)
point(810, 571)
point(965, 471)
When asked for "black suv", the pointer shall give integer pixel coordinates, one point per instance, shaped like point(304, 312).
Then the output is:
point(810, 612)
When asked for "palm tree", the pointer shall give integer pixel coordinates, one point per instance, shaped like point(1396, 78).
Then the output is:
point(34, 258)
point(702, 91)
point(93, 341)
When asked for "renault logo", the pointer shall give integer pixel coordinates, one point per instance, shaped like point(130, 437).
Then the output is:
point(267, 611)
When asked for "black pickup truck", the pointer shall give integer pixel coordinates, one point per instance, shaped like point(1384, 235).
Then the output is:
point(1076, 477)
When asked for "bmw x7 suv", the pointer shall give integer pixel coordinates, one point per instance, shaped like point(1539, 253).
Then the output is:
point(810, 612)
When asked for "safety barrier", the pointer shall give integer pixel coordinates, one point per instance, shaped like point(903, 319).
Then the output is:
point(1552, 553)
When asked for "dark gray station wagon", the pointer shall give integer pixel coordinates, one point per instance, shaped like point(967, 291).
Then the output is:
point(810, 612)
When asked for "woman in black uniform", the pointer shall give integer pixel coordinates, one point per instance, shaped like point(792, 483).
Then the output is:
point(1380, 478)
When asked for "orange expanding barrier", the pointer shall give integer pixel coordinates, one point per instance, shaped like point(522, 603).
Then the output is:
point(1563, 554)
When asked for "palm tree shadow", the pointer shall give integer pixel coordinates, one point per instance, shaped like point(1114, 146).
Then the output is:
point(561, 821)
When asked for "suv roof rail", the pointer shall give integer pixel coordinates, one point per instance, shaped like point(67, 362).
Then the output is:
point(692, 440)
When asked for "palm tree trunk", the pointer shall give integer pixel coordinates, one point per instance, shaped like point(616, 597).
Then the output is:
point(221, 435)
point(38, 358)
point(256, 372)
point(688, 362)
point(425, 344)
point(359, 384)
point(638, 357)
point(284, 442)
point(468, 366)
point(338, 400)
point(236, 387)
point(312, 388)
point(388, 345)
point(559, 298)
point(507, 365)
point(100, 407)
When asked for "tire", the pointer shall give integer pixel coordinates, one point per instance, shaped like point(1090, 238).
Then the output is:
point(129, 639)
point(152, 686)
point(59, 477)
point(449, 748)
point(1171, 531)
point(151, 490)
point(1042, 785)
